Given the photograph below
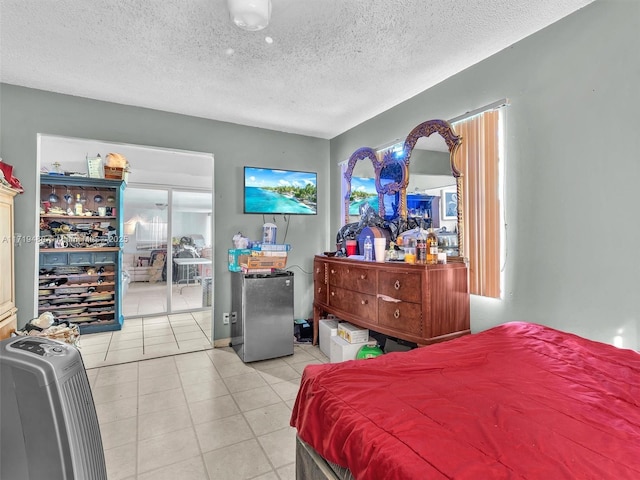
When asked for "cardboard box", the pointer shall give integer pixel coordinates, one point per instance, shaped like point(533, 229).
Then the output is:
point(272, 247)
point(262, 261)
point(234, 258)
point(353, 334)
point(327, 329)
point(341, 350)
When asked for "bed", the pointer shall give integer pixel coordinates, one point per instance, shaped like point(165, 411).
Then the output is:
point(517, 401)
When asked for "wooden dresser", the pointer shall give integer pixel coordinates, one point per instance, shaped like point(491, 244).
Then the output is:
point(418, 303)
point(8, 309)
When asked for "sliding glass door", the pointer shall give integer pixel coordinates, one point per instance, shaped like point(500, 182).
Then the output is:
point(191, 250)
point(167, 254)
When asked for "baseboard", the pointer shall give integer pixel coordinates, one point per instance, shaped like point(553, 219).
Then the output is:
point(221, 342)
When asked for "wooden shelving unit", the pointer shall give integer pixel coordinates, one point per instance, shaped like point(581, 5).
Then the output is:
point(80, 257)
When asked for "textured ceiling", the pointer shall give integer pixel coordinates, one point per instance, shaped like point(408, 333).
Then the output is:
point(332, 63)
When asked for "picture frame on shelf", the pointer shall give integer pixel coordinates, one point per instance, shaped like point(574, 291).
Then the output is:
point(449, 204)
point(95, 167)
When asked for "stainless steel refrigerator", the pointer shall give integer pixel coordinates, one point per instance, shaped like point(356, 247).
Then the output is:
point(262, 315)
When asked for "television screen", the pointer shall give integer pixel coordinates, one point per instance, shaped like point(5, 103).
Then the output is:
point(270, 190)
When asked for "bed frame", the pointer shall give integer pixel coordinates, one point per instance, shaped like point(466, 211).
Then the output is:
point(311, 466)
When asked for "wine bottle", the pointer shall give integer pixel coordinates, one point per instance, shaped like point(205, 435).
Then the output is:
point(77, 207)
point(421, 247)
point(432, 247)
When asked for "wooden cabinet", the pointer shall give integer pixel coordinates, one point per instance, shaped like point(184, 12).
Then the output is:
point(418, 303)
point(80, 261)
point(8, 319)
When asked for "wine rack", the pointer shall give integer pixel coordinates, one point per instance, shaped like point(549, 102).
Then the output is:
point(81, 251)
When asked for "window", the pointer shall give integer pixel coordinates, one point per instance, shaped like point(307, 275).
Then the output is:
point(478, 159)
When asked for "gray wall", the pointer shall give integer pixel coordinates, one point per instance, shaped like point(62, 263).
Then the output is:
point(25, 112)
point(572, 169)
point(428, 162)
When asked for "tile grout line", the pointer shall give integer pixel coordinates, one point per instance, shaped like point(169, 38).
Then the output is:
point(138, 410)
point(173, 332)
point(193, 425)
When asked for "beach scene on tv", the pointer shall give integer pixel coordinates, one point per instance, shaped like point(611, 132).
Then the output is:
point(279, 191)
point(363, 190)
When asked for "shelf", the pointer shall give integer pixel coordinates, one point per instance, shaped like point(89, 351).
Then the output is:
point(74, 295)
point(79, 274)
point(81, 249)
point(53, 308)
point(99, 326)
point(82, 315)
point(76, 285)
point(76, 217)
point(87, 249)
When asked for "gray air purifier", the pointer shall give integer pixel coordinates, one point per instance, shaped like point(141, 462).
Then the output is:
point(49, 427)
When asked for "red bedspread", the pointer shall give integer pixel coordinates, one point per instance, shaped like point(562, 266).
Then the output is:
point(516, 401)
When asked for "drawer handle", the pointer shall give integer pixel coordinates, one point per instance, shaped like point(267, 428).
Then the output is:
point(319, 289)
point(387, 298)
point(364, 302)
point(396, 314)
point(317, 270)
point(397, 285)
point(363, 276)
point(333, 271)
point(333, 293)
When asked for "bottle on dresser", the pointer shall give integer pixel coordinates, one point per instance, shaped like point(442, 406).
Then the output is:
point(432, 247)
point(368, 249)
point(421, 242)
point(421, 246)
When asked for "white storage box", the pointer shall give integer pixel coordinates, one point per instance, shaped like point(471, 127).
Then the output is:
point(353, 334)
point(326, 329)
point(341, 350)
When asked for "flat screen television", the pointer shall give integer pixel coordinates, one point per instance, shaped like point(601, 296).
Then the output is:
point(272, 190)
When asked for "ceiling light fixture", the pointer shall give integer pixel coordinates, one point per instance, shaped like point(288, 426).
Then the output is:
point(250, 15)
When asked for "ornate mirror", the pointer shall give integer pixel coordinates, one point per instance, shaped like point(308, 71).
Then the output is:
point(433, 185)
point(363, 169)
point(390, 182)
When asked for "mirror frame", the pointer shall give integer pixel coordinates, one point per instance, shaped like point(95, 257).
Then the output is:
point(424, 129)
point(360, 154)
point(453, 141)
point(391, 188)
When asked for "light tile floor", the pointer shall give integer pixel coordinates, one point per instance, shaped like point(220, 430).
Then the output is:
point(145, 299)
point(203, 415)
point(148, 337)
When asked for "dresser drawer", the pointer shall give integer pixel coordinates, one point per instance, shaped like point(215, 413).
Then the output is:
point(401, 316)
point(359, 279)
point(80, 258)
point(319, 268)
point(319, 283)
point(405, 286)
point(8, 326)
point(359, 304)
point(104, 258)
point(320, 292)
point(53, 259)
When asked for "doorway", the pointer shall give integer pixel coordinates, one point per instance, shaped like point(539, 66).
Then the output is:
point(172, 179)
